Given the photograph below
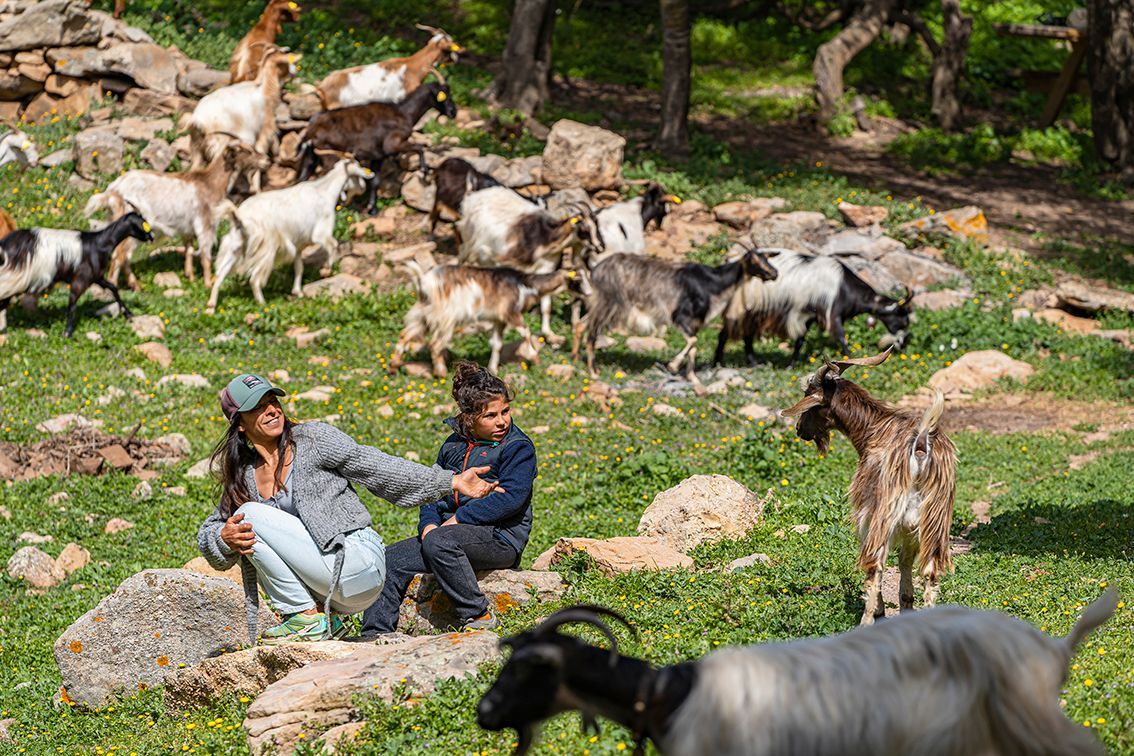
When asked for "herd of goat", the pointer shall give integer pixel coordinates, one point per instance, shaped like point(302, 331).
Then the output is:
point(945, 681)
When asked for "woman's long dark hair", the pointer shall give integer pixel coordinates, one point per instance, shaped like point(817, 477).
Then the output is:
point(232, 454)
point(473, 388)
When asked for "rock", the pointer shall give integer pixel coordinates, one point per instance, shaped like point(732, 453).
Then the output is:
point(80, 184)
point(418, 194)
point(862, 215)
point(617, 555)
point(978, 370)
point(336, 287)
point(167, 280)
point(199, 470)
point(52, 23)
point(143, 129)
point(303, 107)
point(73, 558)
point(61, 423)
point(1093, 298)
point(191, 380)
point(144, 102)
point(562, 372)
point(98, 151)
point(35, 538)
point(644, 344)
point(142, 492)
point(57, 158)
point(742, 214)
point(147, 327)
point(15, 86)
point(1122, 336)
point(344, 732)
point(577, 155)
point(155, 352)
point(154, 623)
point(916, 271)
point(10, 111)
point(756, 412)
point(421, 253)
point(661, 409)
point(944, 299)
point(380, 226)
point(1067, 321)
point(427, 609)
point(305, 338)
point(37, 72)
point(701, 509)
point(201, 566)
point(178, 491)
point(176, 441)
point(801, 529)
point(519, 172)
point(321, 695)
point(146, 64)
point(198, 82)
point(36, 567)
point(961, 222)
point(117, 457)
point(317, 394)
point(870, 243)
point(749, 561)
point(181, 146)
point(799, 230)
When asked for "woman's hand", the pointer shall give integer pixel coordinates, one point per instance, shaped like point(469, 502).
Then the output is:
point(470, 484)
point(238, 535)
point(428, 529)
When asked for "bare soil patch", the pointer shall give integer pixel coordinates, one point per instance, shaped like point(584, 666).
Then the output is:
point(85, 451)
point(1014, 413)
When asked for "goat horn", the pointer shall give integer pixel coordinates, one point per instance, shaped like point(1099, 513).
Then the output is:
point(440, 78)
point(336, 153)
point(878, 359)
point(804, 404)
point(586, 613)
point(431, 29)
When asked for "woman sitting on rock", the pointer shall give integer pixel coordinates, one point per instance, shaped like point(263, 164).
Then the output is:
point(289, 514)
point(456, 537)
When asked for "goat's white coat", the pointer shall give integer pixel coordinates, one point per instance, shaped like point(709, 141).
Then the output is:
point(16, 147)
point(237, 109)
point(621, 227)
point(487, 217)
point(374, 83)
point(795, 293)
point(54, 249)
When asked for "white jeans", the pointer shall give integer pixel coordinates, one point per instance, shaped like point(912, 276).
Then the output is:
point(295, 574)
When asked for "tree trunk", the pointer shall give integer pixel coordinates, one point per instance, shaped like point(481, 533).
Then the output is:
point(834, 55)
point(677, 61)
point(526, 66)
point(1110, 64)
point(949, 62)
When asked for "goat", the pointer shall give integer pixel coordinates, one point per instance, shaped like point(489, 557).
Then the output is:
point(498, 226)
point(808, 290)
point(7, 223)
point(275, 226)
point(623, 224)
point(450, 296)
point(390, 80)
point(17, 147)
point(904, 486)
point(191, 203)
point(371, 133)
point(33, 259)
point(950, 680)
point(452, 180)
point(261, 39)
point(245, 112)
point(643, 293)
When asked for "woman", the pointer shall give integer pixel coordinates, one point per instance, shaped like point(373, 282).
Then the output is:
point(456, 537)
point(288, 512)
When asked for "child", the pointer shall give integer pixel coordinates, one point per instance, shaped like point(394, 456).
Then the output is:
point(457, 536)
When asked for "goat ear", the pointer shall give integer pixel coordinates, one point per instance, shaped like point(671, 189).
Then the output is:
point(808, 402)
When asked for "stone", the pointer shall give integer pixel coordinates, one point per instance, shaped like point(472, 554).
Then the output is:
point(661, 409)
point(322, 695)
point(178, 491)
point(147, 327)
point(1093, 298)
point(870, 243)
point(421, 253)
point(961, 222)
point(562, 372)
point(142, 491)
point(37, 72)
point(917, 271)
point(72, 559)
point(15, 86)
point(143, 129)
point(340, 733)
point(52, 23)
point(63, 86)
point(520, 172)
point(305, 338)
point(418, 194)
point(617, 555)
point(800, 230)
point(144, 102)
point(61, 423)
point(317, 394)
point(36, 567)
point(199, 470)
point(98, 151)
point(303, 106)
point(199, 81)
point(743, 213)
point(979, 370)
point(1067, 321)
point(201, 566)
point(155, 352)
point(80, 184)
point(862, 215)
point(117, 457)
point(10, 111)
point(701, 509)
point(176, 441)
point(42, 107)
point(801, 529)
point(756, 412)
point(336, 287)
point(34, 57)
point(644, 344)
point(749, 561)
point(57, 158)
point(35, 538)
point(154, 623)
point(944, 299)
point(380, 226)
point(577, 155)
point(167, 279)
point(146, 64)
point(191, 380)
point(426, 608)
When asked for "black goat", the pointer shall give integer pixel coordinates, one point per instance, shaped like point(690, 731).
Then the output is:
point(372, 132)
point(33, 259)
point(452, 180)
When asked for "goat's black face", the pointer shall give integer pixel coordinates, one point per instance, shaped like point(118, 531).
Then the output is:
point(443, 101)
point(524, 694)
point(814, 423)
point(138, 227)
point(654, 206)
point(756, 265)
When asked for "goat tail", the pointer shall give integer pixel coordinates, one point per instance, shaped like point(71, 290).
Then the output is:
point(932, 416)
point(1099, 611)
point(417, 273)
point(98, 201)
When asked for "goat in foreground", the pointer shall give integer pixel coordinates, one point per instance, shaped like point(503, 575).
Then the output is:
point(904, 486)
point(943, 682)
point(641, 293)
point(248, 57)
point(33, 259)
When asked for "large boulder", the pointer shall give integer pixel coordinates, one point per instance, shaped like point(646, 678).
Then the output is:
point(36, 567)
point(144, 63)
point(978, 370)
point(617, 555)
point(918, 271)
point(701, 509)
point(51, 24)
point(199, 81)
point(314, 698)
point(154, 623)
point(98, 151)
point(577, 155)
point(800, 230)
point(426, 607)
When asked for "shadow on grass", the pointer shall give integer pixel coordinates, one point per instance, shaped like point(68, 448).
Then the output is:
point(1097, 529)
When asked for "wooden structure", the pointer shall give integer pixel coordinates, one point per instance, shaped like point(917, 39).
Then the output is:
point(1078, 39)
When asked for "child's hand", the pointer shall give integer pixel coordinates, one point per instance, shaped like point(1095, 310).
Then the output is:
point(470, 484)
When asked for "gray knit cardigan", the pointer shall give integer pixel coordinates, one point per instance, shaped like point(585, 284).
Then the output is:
point(327, 463)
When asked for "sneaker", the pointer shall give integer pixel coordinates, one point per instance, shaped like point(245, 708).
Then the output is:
point(297, 628)
point(487, 621)
point(338, 627)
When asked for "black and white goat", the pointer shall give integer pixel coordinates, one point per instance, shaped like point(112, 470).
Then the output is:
point(623, 225)
point(943, 682)
point(452, 180)
point(642, 293)
point(903, 489)
point(16, 147)
point(33, 259)
point(809, 289)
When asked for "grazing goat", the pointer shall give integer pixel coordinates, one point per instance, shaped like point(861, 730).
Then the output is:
point(623, 225)
point(250, 52)
point(943, 682)
point(642, 293)
point(904, 486)
point(15, 146)
point(808, 290)
point(245, 112)
point(452, 180)
point(371, 133)
point(33, 259)
point(451, 296)
point(500, 227)
point(274, 227)
point(390, 80)
point(190, 203)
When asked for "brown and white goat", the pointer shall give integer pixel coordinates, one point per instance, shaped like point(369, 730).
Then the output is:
point(390, 80)
point(903, 489)
point(452, 180)
point(451, 296)
point(251, 51)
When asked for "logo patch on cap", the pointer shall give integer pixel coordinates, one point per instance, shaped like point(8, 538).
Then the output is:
point(252, 381)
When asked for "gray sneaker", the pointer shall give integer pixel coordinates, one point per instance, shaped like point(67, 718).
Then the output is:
point(487, 621)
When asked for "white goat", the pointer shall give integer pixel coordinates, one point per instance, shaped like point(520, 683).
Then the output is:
point(15, 146)
point(623, 225)
point(274, 227)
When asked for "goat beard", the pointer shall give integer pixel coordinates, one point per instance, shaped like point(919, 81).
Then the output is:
point(812, 427)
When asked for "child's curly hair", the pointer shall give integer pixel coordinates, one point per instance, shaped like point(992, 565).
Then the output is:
point(473, 388)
